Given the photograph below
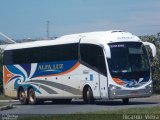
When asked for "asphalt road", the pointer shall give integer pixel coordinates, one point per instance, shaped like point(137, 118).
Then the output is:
point(78, 106)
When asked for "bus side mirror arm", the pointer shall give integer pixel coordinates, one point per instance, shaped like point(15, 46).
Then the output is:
point(152, 46)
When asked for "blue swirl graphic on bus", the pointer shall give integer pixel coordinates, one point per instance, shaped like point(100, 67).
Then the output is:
point(134, 82)
point(125, 82)
point(16, 71)
point(23, 73)
point(27, 68)
point(53, 68)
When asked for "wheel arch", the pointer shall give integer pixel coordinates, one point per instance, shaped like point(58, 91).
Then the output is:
point(18, 90)
point(30, 87)
point(85, 88)
point(25, 88)
point(88, 94)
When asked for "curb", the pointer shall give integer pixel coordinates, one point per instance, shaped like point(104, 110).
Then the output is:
point(9, 100)
point(6, 107)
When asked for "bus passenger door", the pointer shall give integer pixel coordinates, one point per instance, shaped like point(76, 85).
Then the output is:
point(102, 77)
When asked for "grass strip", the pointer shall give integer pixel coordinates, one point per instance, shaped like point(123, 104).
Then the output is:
point(131, 113)
point(3, 97)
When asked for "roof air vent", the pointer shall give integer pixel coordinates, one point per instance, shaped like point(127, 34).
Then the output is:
point(114, 31)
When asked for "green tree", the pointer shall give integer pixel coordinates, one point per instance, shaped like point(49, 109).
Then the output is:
point(1, 70)
point(155, 62)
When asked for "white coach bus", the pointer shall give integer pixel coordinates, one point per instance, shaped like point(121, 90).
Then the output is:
point(96, 65)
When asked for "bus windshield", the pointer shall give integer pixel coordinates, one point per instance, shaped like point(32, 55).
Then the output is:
point(128, 60)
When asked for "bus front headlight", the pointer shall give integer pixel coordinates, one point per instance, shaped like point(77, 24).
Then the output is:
point(113, 87)
point(149, 86)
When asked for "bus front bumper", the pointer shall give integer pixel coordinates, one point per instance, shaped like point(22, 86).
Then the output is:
point(118, 93)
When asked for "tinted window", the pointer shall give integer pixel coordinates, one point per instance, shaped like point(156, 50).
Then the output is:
point(128, 59)
point(93, 57)
point(42, 54)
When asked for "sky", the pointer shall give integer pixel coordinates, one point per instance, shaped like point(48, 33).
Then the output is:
point(21, 19)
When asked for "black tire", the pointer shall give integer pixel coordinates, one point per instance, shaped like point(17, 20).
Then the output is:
point(88, 96)
point(32, 97)
point(125, 101)
point(22, 97)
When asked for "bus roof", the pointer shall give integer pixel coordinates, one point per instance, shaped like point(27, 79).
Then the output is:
point(100, 37)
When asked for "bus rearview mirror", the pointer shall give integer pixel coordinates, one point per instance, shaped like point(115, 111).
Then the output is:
point(152, 46)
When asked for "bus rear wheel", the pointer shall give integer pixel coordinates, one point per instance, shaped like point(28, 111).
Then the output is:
point(22, 96)
point(32, 97)
point(88, 96)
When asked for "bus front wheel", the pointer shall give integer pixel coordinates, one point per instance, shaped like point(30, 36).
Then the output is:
point(31, 96)
point(88, 96)
point(22, 96)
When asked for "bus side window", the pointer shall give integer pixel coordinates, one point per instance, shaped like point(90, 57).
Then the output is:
point(101, 64)
point(89, 56)
point(51, 53)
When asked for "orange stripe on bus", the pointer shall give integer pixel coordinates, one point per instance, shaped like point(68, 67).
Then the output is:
point(7, 75)
point(118, 81)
